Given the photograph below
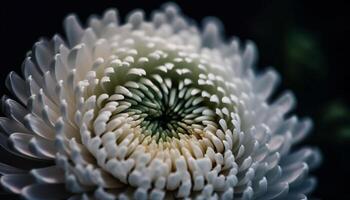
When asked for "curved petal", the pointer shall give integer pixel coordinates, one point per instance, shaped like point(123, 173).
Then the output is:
point(15, 182)
point(45, 192)
point(52, 174)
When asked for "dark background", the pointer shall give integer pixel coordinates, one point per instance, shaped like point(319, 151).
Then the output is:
point(307, 42)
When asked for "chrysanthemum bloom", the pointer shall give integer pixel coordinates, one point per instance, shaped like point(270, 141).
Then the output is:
point(150, 109)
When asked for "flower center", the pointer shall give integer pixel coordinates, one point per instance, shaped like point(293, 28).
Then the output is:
point(163, 121)
point(166, 112)
point(159, 91)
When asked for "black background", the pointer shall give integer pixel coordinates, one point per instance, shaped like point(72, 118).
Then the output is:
point(306, 41)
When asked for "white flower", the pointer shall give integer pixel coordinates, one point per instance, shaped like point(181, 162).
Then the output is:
point(150, 109)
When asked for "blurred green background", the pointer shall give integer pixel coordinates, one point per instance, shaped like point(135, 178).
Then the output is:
point(308, 43)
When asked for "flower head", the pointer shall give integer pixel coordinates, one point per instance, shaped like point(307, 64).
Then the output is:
point(150, 109)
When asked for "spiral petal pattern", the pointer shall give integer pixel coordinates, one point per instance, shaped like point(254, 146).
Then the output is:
point(150, 109)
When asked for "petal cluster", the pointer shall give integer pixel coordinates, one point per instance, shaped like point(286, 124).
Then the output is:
point(150, 109)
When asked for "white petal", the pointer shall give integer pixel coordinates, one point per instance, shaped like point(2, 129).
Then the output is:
point(73, 30)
